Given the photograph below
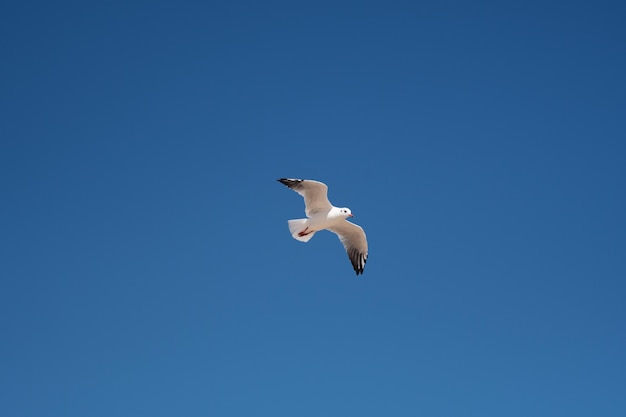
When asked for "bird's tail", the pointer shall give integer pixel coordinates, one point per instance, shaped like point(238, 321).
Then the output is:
point(298, 227)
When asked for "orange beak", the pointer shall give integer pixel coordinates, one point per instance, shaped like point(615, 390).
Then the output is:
point(350, 215)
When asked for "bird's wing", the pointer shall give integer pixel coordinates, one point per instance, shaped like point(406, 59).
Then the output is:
point(315, 194)
point(353, 238)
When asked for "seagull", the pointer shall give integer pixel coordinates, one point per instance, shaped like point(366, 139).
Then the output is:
point(323, 215)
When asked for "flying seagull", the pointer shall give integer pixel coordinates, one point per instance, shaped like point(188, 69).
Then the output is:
point(323, 215)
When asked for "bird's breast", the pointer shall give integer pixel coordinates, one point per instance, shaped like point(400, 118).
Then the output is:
point(321, 221)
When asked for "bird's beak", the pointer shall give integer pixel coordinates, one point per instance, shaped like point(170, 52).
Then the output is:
point(350, 215)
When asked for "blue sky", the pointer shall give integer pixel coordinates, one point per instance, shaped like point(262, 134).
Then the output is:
point(146, 264)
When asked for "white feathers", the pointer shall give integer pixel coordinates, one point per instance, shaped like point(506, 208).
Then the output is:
point(298, 227)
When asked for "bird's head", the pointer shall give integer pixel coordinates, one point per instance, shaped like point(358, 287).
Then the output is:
point(346, 212)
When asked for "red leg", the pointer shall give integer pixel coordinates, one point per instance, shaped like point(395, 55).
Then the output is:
point(304, 232)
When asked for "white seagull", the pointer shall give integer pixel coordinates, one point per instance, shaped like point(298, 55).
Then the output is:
point(323, 215)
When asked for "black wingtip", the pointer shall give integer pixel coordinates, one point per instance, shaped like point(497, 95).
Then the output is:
point(358, 268)
point(289, 182)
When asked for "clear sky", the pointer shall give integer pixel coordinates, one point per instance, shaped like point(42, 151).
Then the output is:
point(146, 266)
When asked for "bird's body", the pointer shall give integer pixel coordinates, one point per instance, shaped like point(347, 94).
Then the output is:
point(319, 220)
point(321, 215)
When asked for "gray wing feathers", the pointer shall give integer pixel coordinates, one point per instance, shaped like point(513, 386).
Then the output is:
point(353, 239)
point(315, 194)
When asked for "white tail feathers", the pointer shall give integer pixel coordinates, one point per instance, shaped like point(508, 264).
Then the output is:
point(297, 226)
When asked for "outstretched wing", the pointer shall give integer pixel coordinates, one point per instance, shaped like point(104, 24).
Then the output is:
point(353, 238)
point(315, 194)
